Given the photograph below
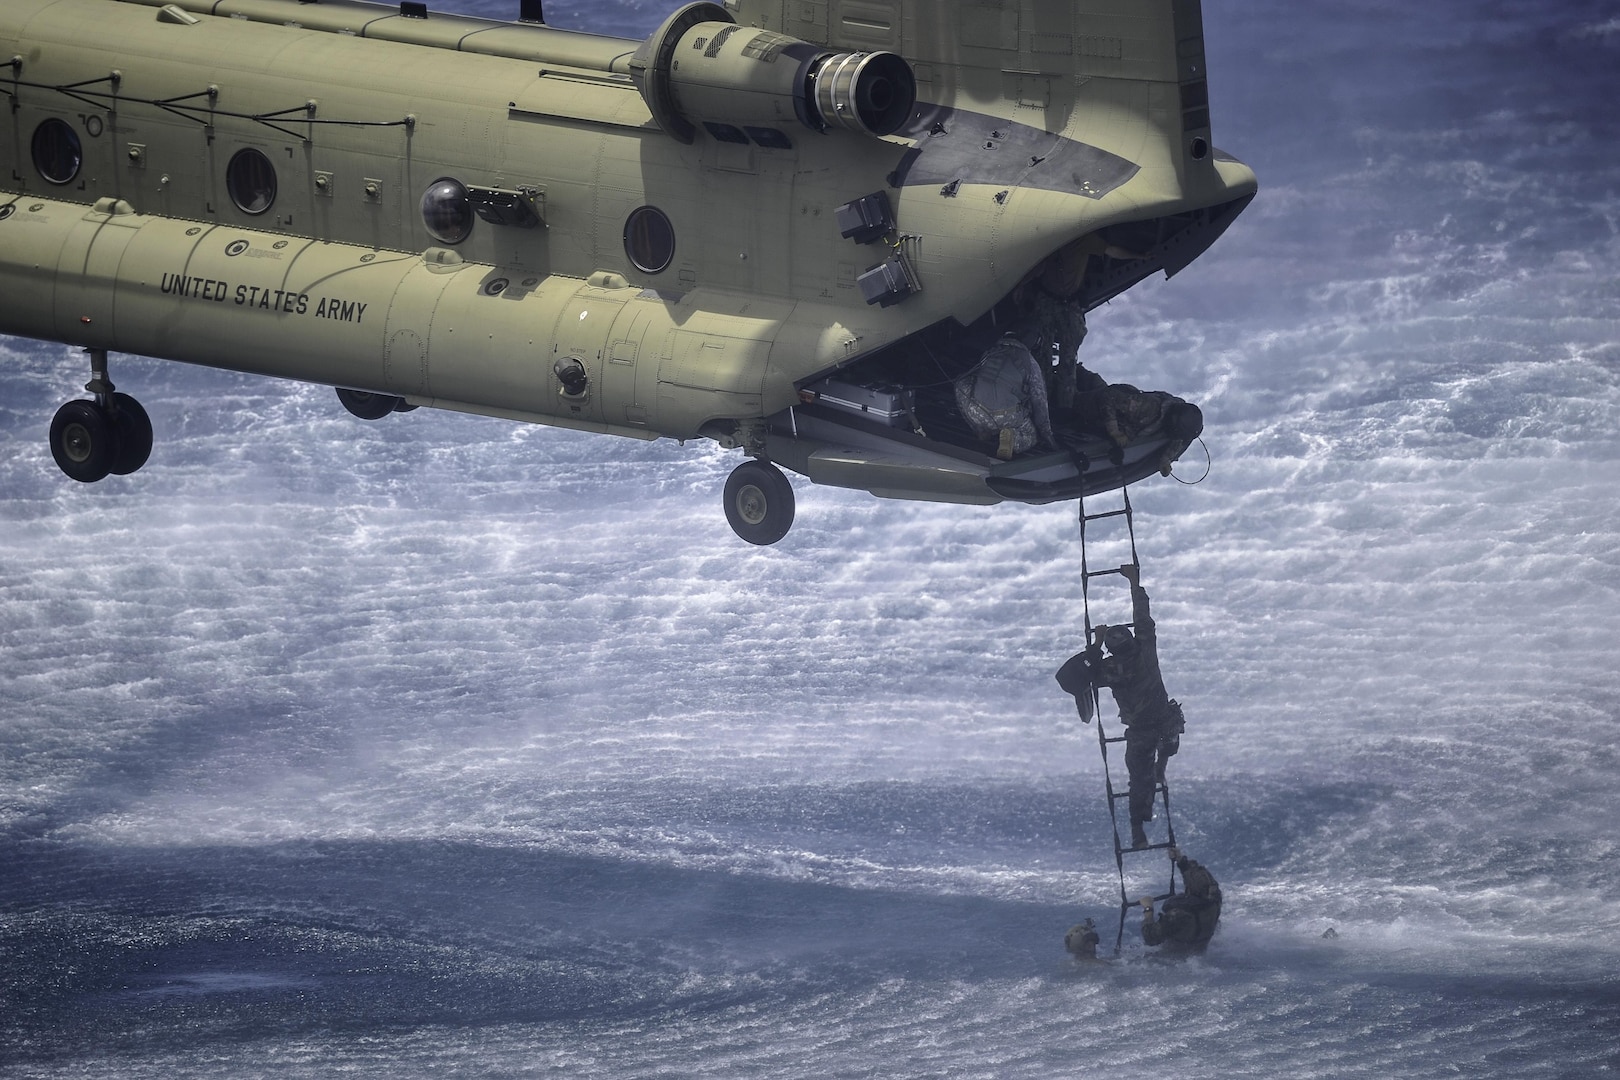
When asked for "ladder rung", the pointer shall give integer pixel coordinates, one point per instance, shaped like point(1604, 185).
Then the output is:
point(1126, 905)
point(1106, 514)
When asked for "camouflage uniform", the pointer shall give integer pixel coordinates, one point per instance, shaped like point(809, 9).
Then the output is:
point(1153, 723)
point(1056, 325)
point(1187, 919)
point(1003, 399)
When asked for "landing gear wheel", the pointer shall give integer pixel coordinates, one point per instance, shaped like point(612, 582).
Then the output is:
point(134, 431)
point(759, 502)
point(84, 441)
point(369, 406)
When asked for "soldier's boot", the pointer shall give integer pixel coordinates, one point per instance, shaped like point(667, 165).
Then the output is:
point(1138, 835)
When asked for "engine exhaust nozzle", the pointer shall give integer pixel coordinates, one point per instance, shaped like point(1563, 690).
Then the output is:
point(871, 93)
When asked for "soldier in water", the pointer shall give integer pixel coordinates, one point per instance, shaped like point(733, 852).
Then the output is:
point(1187, 919)
point(1153, 722)
point(1082, 940)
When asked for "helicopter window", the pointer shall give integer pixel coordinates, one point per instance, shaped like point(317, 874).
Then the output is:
point(726, 132)
point(770, 138)
point(57, 153)
point(447, 211)
point(251, 180)
point(649, 239)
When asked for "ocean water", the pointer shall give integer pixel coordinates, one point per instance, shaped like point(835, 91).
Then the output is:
point(450, 746)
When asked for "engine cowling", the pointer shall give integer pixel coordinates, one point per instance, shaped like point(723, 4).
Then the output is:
point(744, 84)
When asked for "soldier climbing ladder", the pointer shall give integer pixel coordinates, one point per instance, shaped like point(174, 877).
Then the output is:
point(1088, 695)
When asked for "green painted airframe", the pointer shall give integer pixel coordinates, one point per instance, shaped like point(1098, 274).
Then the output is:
point(854, 238)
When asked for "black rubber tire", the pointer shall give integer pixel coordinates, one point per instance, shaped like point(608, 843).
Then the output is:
point(84, 441)
point(134, 430)
point(369, 406)
point(759, 502)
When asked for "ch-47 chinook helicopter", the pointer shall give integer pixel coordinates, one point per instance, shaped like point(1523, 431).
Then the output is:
point(853, 238)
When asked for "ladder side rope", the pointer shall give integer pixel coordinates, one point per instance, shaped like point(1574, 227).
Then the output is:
point(1096, 711)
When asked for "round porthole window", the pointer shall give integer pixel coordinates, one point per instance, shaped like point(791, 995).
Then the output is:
point(447, 211)
point(649, 239)
point(57, 153)
point(251, 180)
